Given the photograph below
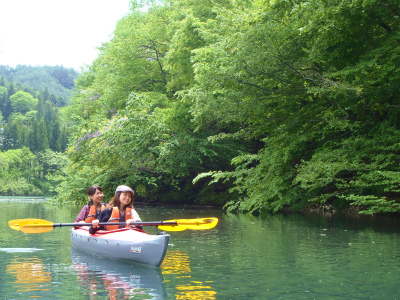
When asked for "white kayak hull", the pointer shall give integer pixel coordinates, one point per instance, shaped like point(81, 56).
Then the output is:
point(122, 244)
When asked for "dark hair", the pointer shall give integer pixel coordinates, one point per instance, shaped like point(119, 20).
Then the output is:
point(114, 202)
point(92, 190)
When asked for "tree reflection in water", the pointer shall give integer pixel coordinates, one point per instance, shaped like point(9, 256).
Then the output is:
point(113, 279)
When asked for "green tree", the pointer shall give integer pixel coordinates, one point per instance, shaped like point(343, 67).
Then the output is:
point(136, 56)
point(59, 81)
point(40, 108)
point(11, 88)
point(3, 97)
point(39, 141)
point(50, 161)
point(299, 96)
point(314, 94)
point(150, 135)
point(64, 139)
point(7, 109)
point(55, 142)
point(23, 102)
point(45, 94)
point(15, 133)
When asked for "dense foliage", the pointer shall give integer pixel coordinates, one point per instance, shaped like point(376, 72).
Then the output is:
point(288, 104)
point(32, 140)
point(59, 81)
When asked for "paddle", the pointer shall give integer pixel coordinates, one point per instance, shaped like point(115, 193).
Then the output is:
point(40, 226)
point(14, 224)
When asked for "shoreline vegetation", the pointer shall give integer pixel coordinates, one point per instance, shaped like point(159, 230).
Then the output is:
point(254, 106)
point(33, 134)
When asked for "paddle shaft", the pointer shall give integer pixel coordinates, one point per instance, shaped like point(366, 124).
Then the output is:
point(160, 223)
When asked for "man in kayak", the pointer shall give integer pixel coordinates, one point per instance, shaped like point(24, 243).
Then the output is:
point(120, 209)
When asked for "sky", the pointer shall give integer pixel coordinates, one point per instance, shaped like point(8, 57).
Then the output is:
point(56, 32)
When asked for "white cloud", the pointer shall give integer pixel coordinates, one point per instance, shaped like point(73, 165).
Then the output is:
point(56, 32)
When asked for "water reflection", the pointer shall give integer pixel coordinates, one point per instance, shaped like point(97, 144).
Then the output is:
point(116, 279)
point(186, 292)
point(287, 257)
point(24, 199)
point(30, 275)
point(178, 263)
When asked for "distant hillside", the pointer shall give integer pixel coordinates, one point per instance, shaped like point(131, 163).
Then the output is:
point(58, 80)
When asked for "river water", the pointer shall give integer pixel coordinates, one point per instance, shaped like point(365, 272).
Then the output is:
point(291, 256)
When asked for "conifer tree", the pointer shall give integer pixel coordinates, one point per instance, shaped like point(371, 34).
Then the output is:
point(64, 139)
point(7, 109)
point(45, 94)
point(55, 143)
point(3, 97)
point(32, 138)
point(42, 142)
point(40, 108)
point(11, 89)
point(13, 137)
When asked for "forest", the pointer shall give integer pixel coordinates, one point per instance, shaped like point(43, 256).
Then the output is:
point(33, 135)
point(256, 106)
point(59, 81)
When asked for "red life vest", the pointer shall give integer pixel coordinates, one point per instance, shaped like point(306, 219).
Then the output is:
point(115, 217)
point(92, 213)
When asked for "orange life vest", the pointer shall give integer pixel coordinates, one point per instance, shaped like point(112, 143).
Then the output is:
point(115, 217)
point(92, 213)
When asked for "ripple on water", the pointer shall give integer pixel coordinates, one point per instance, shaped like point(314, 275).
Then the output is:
point(20, 250)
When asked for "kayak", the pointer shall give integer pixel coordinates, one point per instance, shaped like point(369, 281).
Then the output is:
point(123, 244)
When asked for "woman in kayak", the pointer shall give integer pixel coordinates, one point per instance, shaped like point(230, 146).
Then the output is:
point(120, 209)
point(95, 206)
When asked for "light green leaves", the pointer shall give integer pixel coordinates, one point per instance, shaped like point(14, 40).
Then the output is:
point(23, 102)
point(286, 103)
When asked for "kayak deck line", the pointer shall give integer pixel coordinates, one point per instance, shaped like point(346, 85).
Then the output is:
point(102, 232)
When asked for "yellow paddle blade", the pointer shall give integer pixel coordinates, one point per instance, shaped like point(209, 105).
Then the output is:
point(194, 224)
point(171, 227)
point(14, 224)
point(38, 226)
point(198, 224)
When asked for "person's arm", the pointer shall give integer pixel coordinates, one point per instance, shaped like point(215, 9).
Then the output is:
point(104, 216)
point(135, 218)
point(83, 214)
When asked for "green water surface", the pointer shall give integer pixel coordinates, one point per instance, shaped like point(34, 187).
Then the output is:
point(274, 257)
